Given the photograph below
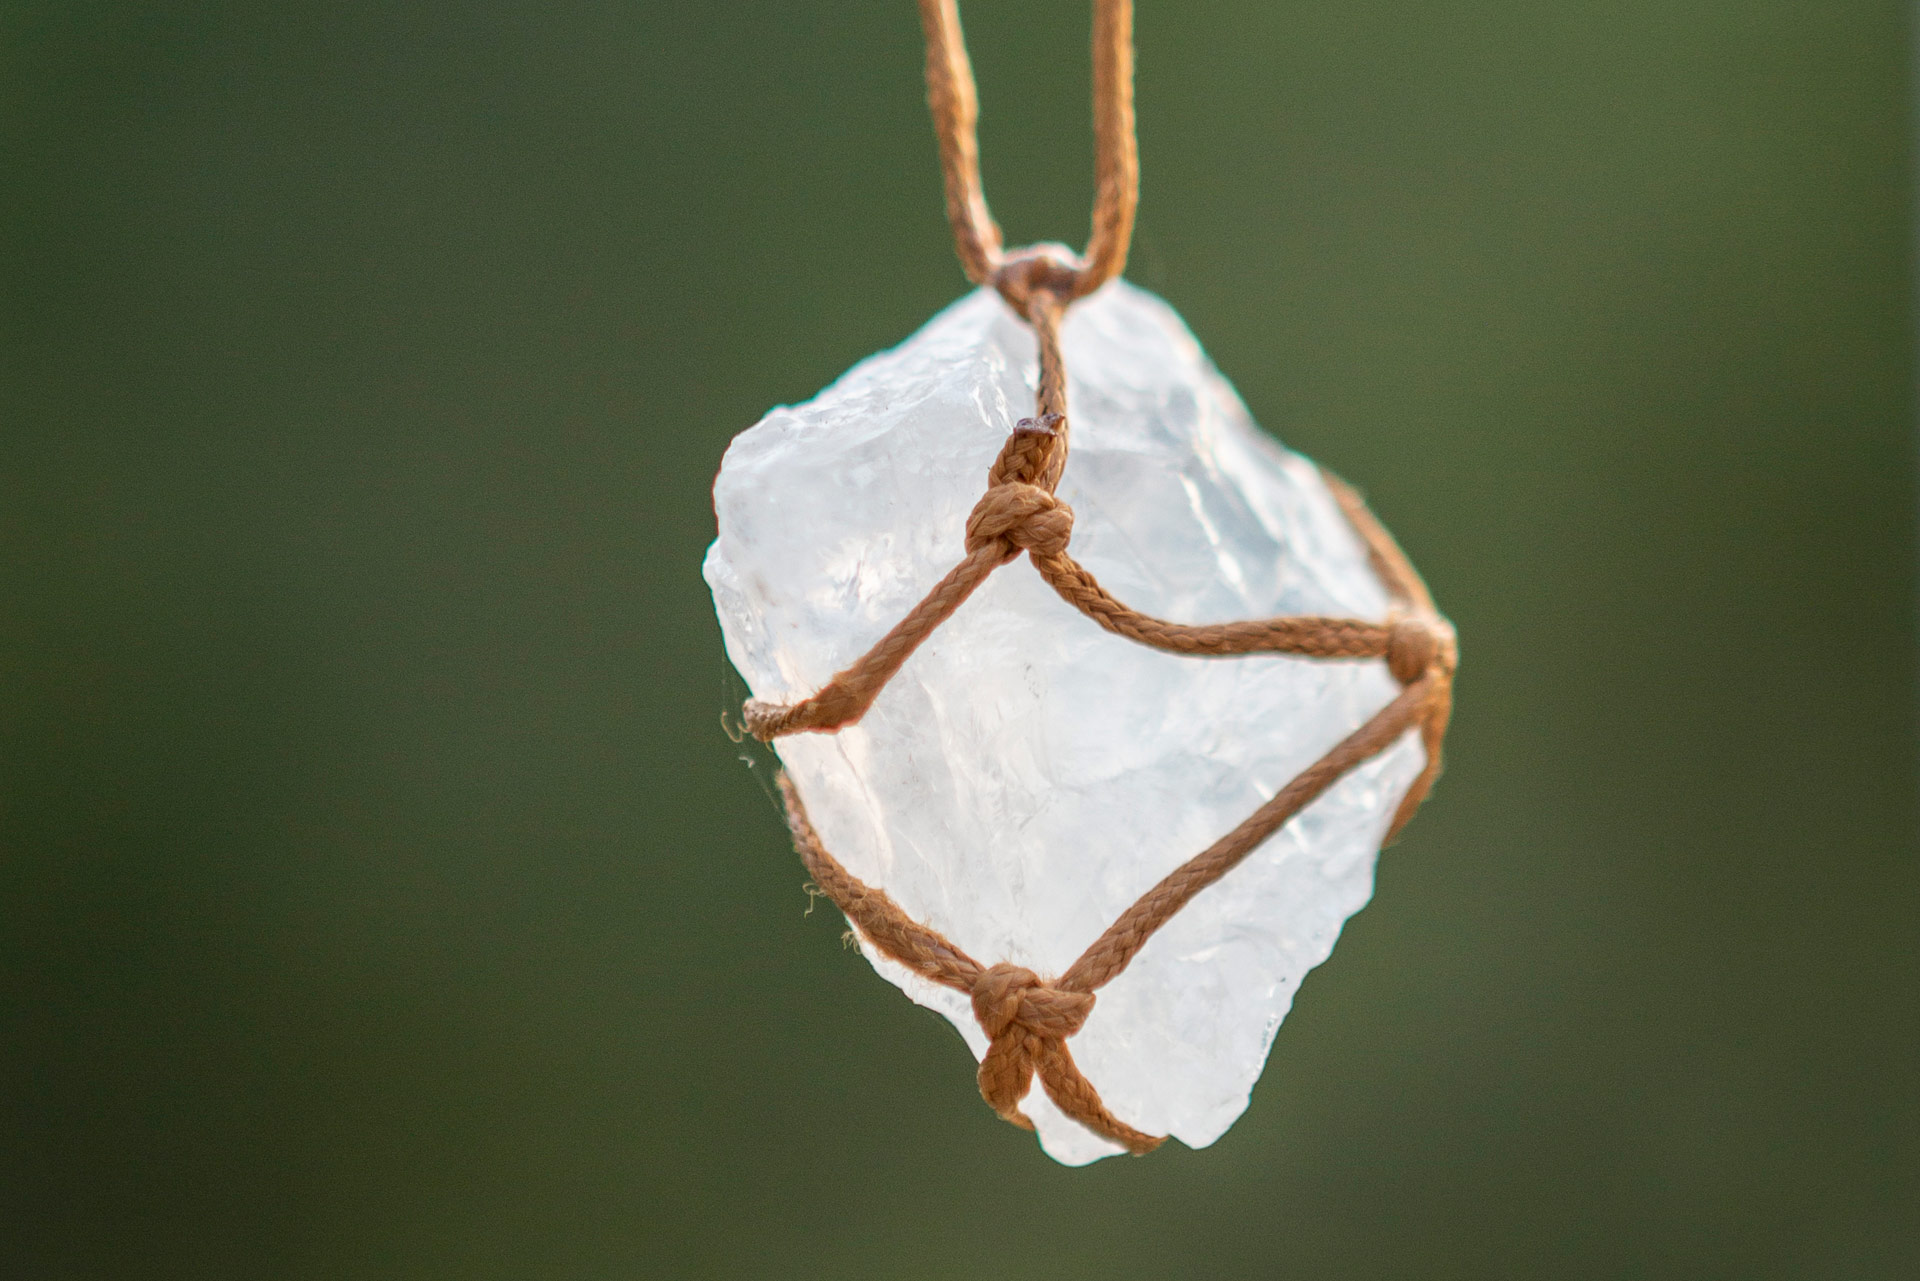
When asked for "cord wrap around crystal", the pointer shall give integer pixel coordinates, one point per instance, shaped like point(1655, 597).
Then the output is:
point(1028, 1020)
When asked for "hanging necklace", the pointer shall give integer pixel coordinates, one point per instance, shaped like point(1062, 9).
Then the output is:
point(999, 777)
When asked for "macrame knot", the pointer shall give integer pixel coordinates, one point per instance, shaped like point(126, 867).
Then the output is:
point(1412, 647)
point(1029, 1021)
point(1006, 997)
point(1021, 517)
point(1047, 273)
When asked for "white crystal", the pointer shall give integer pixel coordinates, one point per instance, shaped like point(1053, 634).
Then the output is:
point(1026, 775)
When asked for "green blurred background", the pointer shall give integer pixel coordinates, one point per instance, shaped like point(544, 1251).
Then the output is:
point(379, 896)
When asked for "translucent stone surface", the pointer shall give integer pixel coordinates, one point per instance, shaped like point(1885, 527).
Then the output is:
point(1026, 775)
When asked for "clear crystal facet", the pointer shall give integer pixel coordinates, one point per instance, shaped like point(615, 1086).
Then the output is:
point(1027, 776)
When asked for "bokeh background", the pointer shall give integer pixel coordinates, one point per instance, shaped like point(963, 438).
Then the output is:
point(379, 896)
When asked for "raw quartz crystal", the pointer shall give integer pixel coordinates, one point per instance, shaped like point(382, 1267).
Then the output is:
point(1026, 775)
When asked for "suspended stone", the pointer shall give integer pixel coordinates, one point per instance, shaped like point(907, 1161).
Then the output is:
point(1027, 776)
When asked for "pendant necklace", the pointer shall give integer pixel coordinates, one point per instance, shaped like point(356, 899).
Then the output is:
point(1012, 696)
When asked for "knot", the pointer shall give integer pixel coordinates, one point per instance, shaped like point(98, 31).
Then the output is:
point(1023, 517)
point(1412, 647)
point(1029, 1020)
point(1009, 997)
point(1049, 271)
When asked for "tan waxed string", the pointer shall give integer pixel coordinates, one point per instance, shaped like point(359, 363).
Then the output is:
point(1027, 1018)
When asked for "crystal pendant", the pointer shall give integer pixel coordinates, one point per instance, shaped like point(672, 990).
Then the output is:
point(1027, 776)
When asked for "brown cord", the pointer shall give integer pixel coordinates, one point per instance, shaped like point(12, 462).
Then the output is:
point(1019, 274)
point(1027, 1018)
